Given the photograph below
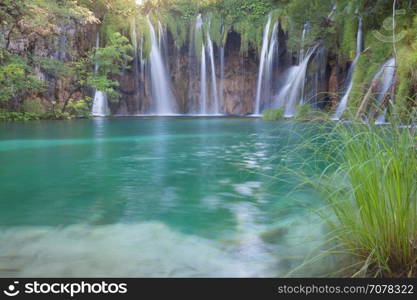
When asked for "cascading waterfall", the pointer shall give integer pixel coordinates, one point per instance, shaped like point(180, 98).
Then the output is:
point(100, 105)
point(203, 67)
point(208, 105)
point(222, 72)
point(164, 99)
point(293, 91)
point(386, 77)
point(306, 29)
point(262, 66)
point(316, 78)
point(270, 63)
point(214, 91)
point(203, 82)
point(268, 55)
point(343, 102)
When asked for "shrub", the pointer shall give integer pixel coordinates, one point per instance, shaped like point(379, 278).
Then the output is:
point(33, 106)
point(273, 114)
point(17, 116)
point(306, 112)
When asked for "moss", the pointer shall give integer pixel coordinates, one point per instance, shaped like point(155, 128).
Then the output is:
point(307, 113)
point(273, 114)
point(348, 37)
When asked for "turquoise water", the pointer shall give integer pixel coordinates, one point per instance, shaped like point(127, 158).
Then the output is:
point(169, 197)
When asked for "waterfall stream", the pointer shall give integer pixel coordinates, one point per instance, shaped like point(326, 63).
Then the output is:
point(100, 104)
point(203, 82)
point(344, 101)
point(386, 76)
point(306, 29)
point(214, 92)
point(268, 58)
point(264, 51)
point(293, 91)
point(209, 92)
point(165, 102)
point(222, 74)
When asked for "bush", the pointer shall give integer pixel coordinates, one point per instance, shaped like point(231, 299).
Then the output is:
point(370, 185)
point(33, 106)
point(307, 113)
point(273, 114)
point(79, 108)
point(18, 116)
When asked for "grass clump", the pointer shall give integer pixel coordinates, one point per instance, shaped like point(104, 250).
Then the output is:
point(371, 188)
point(273, 114)
point(307, 113)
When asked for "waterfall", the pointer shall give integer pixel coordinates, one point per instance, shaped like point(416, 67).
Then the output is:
point(221, 90)
point(386, 76)
point(203, 66)
point(203, 82)
point(343, 102)
point(269, 68)
point(100, 105)
point(161, 87)
point(306, 28)
point(210, 106)
point(293, 91)
point(214, 91)
point(316, 78)
point(267, 57)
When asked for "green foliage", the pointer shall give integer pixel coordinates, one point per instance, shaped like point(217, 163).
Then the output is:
point(15, 79)
point(305, 112)
point(273, 114)
point(17, 116)
point(79, 108)
point(110, 59)
point(52, 67)
point(406, 96)
point(371, 190)
point(33, 105)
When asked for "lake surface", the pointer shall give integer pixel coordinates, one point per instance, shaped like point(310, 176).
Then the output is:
point(155, 197)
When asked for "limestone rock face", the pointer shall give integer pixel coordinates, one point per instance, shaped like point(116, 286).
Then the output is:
point(68, 42)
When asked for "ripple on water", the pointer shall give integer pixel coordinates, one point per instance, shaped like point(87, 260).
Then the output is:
point(248, 188)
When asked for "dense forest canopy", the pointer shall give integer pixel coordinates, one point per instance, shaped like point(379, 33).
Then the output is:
point(332, 23)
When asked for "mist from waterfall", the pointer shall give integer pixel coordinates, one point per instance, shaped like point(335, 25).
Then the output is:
point(164, 100)
point(268, 56)
point(344, 101)
point(100, 104)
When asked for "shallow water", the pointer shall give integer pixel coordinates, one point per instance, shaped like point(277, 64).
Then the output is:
point(151, 197)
